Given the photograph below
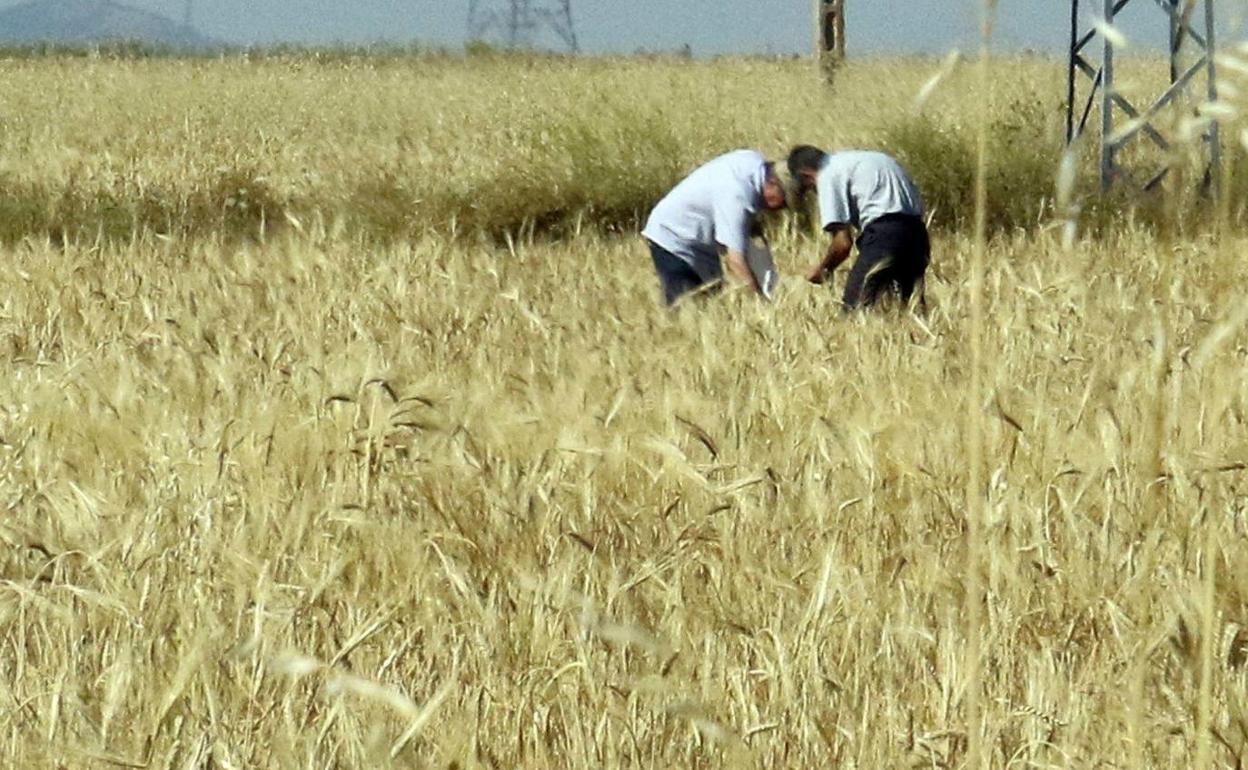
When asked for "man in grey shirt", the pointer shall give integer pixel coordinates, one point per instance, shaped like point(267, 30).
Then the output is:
point(712, 211)
point(869, 192)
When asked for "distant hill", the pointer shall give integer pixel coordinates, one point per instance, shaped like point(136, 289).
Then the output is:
point(75, 22)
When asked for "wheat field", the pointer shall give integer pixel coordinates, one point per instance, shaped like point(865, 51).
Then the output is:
point(295, 487)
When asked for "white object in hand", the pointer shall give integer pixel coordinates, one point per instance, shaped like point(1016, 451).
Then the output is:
point(763, 267)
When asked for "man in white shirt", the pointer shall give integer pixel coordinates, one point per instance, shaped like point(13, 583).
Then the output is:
point(871, 193)
point(710, 213)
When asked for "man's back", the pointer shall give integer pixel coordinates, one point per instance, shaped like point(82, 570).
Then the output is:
point(857, 187)
point(711, 207)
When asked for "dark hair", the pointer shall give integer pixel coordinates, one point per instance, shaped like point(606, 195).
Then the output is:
point(805, 157)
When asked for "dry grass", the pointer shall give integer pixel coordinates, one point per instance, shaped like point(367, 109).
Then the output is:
point(395, 149)
point(614, 535)
point(318, 503)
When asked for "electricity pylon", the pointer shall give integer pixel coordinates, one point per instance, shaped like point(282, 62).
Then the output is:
point(518, 21)
point(1192, 31)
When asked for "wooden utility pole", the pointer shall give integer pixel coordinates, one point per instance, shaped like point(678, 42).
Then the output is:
point(829, 35)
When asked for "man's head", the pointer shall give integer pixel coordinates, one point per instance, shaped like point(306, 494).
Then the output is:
point(774, 194)
point(804, 163)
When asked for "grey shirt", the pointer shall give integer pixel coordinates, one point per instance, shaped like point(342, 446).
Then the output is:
point(857, 187)
point(712, 207)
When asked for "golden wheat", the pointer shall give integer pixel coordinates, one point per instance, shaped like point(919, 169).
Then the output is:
point(313, 501)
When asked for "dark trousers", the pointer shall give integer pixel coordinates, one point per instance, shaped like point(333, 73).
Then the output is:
point(676, 277)
point(893, 254)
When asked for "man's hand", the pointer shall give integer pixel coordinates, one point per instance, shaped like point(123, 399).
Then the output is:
point(838, 251)
point(741, 269)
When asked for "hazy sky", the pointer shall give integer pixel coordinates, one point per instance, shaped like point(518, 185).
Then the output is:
point(755, 26)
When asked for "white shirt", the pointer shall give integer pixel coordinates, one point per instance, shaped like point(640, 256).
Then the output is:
point(857, 187)
point(712, 207)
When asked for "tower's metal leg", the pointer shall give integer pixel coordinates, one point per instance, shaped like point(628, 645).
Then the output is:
point(1215, 135)
point(1107, 101)
point(1176, 38)
point(1071, 72)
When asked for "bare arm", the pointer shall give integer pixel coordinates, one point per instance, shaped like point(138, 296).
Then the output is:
point(739, 268)
point(838, 251)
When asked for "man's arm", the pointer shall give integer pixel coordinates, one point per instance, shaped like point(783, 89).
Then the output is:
point(734, 218)
point(838, 251)
point(741, 269)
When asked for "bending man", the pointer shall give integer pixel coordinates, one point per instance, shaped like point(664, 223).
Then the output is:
point(869, 192)
point(710, 213)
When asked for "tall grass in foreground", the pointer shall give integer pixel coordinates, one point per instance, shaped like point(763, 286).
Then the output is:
point(973, 661)
point(316, 503)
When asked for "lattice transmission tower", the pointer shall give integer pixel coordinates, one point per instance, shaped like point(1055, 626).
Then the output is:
point(1192, 66)
point(517, 22)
